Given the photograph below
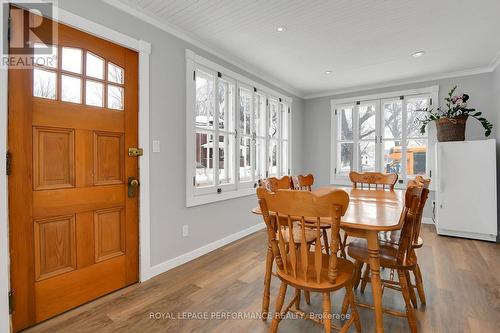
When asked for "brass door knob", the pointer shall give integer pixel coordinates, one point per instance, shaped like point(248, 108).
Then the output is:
point(133, 184)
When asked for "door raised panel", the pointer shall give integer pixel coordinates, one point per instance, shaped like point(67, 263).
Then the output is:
point(55, 249)
point(108, 158)
point(109, 229)
point(53, 158)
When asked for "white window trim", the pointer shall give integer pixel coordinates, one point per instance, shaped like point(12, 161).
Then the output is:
point(432, 91)
point(193, 198)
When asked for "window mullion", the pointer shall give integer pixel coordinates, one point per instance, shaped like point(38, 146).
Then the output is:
point(355, 137)
point(253, 130)
point(404, 141)
point(215, 148)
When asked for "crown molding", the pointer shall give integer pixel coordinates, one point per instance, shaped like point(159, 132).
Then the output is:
point(175, 31)
point(496, 62)
point(433, 77)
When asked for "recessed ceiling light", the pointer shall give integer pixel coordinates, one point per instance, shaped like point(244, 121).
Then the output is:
point(328, 72)
point(281, 28)
point(418, 54)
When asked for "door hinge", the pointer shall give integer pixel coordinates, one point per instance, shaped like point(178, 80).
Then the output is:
point(254, 89)
point(288, 109)
point(194, 180)
point(335, 111)
point(194, 75)
point(335, 171)
point(430, 101)
point(267, 102)
point(430, 173)
point(288, 171)
point(267, 174)
point(9, 28)
point(11, 301)
point(8, 163)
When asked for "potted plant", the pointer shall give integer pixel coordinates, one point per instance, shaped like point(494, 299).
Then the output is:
point(450, 122)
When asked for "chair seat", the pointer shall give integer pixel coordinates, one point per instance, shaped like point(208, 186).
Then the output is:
point(392, 237)
point(297, 235)
point(358, 250)
point(345, 270)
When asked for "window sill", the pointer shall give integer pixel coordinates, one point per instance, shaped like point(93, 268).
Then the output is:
point(203, 199)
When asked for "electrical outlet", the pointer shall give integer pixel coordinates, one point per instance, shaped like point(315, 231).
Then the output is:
point(156, 146)
point(185, 230)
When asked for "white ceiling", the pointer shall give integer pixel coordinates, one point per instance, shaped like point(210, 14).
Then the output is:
point(364, 42)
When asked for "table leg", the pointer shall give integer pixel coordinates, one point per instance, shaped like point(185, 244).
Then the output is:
point(267, 283)
point(373, 249)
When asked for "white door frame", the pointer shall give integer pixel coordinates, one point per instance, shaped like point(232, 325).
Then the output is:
point(144, 50)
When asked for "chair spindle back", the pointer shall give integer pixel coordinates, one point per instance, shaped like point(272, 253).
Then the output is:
point(373, 179)
point(294, 207)
point(409, 219)
point(272, 183)
point(303, 182)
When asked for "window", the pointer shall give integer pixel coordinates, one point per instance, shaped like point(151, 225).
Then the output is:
point(382, 133)
point(237, 133)
point(63, 79)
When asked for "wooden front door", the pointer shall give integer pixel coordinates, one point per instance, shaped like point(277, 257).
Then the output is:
point(73, 226)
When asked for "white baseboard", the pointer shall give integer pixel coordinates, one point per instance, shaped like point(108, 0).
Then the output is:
point(184, 258)
point(427, 220)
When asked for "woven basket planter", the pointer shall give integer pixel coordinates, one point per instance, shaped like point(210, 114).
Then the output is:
point(451, 129)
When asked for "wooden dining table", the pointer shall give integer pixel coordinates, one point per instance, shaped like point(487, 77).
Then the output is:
point(370, 212)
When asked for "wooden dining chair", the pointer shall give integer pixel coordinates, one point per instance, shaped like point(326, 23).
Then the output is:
point(400, 257)
point(374, 180)
point(273, 183)
point(303, 267)
point(392, 237)
point(370, 180)
point(302, 182)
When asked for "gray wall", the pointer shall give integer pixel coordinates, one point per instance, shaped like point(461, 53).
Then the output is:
point(207, 223)
point(317, 136)
point(496, 101)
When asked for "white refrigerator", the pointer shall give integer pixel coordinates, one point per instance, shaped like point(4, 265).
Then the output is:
point(466, 189)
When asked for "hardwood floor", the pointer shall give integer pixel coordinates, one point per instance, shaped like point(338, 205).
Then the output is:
point(461, 281)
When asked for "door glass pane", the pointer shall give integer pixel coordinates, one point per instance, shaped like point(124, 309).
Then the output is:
point(345, 123)
point(44, 84)
point(94, 66)
point(204, 99)
point(273, 119)
point(204, 159)
point(226, 98)
point(260, 115)
point(346, 157)
point(72, 60)
point(366, 121)
point(71, 89)
point(94, 93)
point(366, 156)
point(226, 158)
point(273, 158)
point(245, 159)
point(416, 157)
point(284, 121)
point(260, 158)
point(245, 111)
point(392, 156)
point(115, 73)
point(415, 107)
point(284, 157)
point(45, 55)
point(393, 126)
point(115, 97)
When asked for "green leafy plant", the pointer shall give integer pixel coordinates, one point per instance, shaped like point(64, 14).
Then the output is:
point(456, 106)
